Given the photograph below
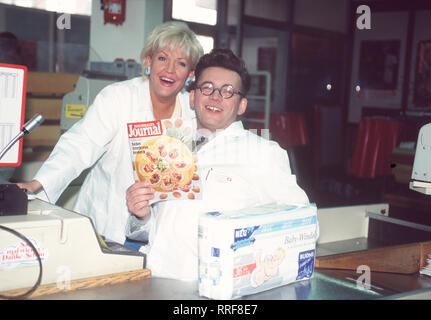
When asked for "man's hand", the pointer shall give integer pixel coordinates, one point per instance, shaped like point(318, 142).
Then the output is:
point(137, 197)
point(32, 186)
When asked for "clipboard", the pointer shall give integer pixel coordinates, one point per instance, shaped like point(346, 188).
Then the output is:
point(13, 84)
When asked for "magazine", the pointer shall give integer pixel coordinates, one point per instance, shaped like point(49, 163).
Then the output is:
point(163, 153)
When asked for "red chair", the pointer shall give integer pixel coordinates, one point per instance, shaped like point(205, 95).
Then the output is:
point(375, 141)
point(287, 128)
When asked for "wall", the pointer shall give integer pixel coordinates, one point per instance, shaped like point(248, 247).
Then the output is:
point(321, 14)
point(153, 15)
point(422, 32)
point(384, 26)
point(108, 41)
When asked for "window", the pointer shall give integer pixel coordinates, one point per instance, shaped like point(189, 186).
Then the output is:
point(41, 45)
point(200, 15)
point(199, 11)
point(82, 7)
point(206, 42)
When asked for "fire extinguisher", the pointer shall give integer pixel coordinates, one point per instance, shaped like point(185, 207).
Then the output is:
point(114, 11)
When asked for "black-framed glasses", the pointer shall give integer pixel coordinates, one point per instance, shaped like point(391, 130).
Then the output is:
point(226, 91)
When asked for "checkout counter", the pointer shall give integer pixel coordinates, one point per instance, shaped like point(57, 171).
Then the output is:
point(344, 231)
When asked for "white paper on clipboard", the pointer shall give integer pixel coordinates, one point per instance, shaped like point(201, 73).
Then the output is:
point(13, 81)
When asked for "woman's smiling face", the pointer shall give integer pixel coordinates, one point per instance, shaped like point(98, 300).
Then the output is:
point(169, 71)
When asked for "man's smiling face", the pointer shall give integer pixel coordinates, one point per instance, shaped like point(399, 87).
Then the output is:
point(214, 112)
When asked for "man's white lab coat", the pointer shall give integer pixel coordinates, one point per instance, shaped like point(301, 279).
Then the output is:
point(238, 169)
point(100, 141)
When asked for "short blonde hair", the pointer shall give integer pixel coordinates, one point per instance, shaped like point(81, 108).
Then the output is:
point(174, 34)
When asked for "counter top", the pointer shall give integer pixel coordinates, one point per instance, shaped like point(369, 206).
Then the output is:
point(325, 285)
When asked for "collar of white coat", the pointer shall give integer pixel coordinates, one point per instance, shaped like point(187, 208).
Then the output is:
point(235, 129)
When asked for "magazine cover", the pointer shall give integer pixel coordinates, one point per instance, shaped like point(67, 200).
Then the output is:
point(162, 153)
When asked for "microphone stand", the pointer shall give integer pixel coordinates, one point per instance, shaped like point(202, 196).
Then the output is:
point(26, 129)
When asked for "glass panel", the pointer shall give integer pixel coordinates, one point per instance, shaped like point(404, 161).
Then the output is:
point(199, 11)
point(316, 70)
point(33, 42)
point(265, 49)
point(71, 57)
point(40, 55)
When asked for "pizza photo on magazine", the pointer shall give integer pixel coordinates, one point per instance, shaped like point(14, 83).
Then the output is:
point(162, 154)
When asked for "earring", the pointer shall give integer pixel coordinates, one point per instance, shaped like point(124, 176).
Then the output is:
point(188, 82)
point(148, 70)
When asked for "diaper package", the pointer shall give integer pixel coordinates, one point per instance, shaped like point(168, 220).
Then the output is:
point(256, 249)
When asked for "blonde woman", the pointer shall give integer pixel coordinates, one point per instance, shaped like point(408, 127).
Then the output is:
point(99, 141)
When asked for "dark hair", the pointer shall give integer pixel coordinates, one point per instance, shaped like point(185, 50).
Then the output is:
point(9, 41)
point(10, 51)
point(223, 58)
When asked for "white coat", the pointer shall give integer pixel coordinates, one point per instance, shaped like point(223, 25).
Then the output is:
point(238, 169)
point(100, 141)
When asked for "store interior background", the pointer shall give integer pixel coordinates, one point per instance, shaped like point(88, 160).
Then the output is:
point(328, 75)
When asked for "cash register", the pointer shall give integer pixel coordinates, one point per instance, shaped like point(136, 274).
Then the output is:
point(46, 244)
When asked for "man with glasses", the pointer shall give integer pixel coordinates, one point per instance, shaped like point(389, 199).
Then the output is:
point(238, 169)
